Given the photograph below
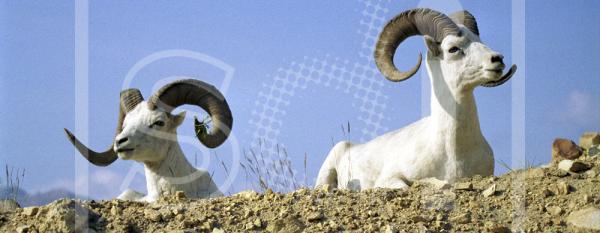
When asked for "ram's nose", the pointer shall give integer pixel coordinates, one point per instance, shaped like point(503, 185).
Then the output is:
point(497, 58)
point(120, 141)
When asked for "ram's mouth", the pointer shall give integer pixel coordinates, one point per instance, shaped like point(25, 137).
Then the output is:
point(499, 71)
point(121, 150)
point(503, 78)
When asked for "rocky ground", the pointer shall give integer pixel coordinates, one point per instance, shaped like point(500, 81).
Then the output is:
point(562, 197)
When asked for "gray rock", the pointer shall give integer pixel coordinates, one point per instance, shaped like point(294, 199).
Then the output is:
point(589, 139)
point(586, 220)
point(594, 151)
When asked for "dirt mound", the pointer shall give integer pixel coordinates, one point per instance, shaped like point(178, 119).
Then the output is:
point(532, 200)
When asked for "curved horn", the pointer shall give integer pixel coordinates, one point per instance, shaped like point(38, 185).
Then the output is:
point(467, 19)
point(128, 100)
point(409, 23)
point(204, 95)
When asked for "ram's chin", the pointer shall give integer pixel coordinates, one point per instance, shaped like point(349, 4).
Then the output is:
point(125, 155)
point(492, 76)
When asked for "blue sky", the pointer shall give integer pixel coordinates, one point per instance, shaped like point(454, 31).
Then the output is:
point(262, 41)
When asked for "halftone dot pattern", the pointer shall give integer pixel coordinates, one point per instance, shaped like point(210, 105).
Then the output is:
point(361, 79)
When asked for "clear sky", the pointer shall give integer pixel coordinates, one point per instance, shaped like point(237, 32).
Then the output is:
point(270, 45)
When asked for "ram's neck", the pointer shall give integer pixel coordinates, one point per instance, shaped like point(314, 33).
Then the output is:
point(454, 114)
point(163, 178)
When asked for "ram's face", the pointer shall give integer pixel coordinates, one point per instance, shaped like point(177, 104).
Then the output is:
point(146, 134)
point(467, 62)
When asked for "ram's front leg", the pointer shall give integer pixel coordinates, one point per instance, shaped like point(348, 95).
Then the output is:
point(131, 195)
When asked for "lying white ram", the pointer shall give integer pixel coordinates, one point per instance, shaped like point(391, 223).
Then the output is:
point(146, 133)
point(446, 145)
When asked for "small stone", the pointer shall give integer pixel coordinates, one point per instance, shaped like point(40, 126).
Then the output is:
point(565, 149)
point(586, 199)
point(178, 210)
point(462, 218)
point(315, 216)
point(436, 183)
point(30, 211)
point(248, 194)
point(179, 195)
point(546, 193)
point(333, 224)
point(561, 188)
point(258, 223)
point(218, 230)
point(586, 220)
point(572, 166)
point(589, 139)
point(554, 210)
point(421, 218)
point(166, 214)
point(494, 227)
point(439, 217)
point(302, 191)
point(152, 215)
point(535, 173)
point(23, 229)
point(390, 229)
point(594, 151)
point(187, 223)
point(590, 174)
point(489, 191)
point(463, 186)
point(291, 225)
point(114, 210)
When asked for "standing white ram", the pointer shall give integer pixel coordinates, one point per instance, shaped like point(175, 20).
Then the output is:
point(446, 145)
point(146, 133)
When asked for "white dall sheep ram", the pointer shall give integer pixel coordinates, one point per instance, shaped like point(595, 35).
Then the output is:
point(146, 133)
point(446, 145)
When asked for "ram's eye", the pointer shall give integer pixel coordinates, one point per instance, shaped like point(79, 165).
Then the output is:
point(158, 123)
point(453, 49)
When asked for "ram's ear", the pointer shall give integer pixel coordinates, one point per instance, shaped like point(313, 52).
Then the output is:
point(433, 47)
point(178, 119)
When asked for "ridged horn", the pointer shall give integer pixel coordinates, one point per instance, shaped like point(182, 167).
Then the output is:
point(418, 21)
point(203, 95)
point(128, 100)
point(467, 19)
